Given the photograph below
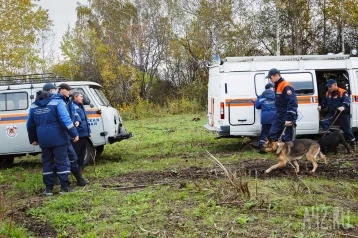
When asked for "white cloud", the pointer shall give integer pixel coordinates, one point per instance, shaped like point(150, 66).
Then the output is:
point(62, 13)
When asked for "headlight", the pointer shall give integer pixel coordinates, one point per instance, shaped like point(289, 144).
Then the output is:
point(354, 52)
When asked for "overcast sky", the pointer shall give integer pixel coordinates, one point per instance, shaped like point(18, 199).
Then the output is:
point(62, 13)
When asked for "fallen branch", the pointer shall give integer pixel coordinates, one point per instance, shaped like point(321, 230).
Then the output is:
point(238, 184)
point(124, 188)
point(149, 232)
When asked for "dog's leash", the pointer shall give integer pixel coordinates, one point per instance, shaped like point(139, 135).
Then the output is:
point(282, 134)
point(332, 123)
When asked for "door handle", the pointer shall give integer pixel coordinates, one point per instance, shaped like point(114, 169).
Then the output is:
point(242, 120)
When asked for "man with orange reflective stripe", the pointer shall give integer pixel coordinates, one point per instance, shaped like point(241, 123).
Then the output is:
point(286, 105)
point(337, 102)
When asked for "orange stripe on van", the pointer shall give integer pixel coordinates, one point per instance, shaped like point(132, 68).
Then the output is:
point(14, 115)
point(354, 98)
point(12, 122)
point(245, 102)
point(94, 116)
point(240, 102)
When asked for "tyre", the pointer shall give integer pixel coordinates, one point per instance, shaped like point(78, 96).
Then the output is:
point(90, 153)
point(6, 161)
point(99, 150)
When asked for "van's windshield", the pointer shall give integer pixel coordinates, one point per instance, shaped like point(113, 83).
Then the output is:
point(100, 95)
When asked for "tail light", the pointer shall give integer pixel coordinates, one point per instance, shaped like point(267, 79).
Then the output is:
point(222, 112)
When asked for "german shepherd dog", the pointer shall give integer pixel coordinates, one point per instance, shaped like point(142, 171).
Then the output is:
point(294, 150)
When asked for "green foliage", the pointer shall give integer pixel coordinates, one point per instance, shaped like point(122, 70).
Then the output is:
point(8, 229)
point(142, 109)
point(21, 24)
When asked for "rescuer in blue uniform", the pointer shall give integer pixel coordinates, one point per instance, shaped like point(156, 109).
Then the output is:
point(64, 94)
point(83, 129)
point(337, 103)
point(49, 126)
point(266, 102)
point(286, 108)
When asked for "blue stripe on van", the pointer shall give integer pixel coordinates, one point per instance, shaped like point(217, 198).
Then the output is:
point(13, 118)
point(91, 112)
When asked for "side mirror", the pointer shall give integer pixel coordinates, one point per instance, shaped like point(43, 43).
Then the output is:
point(86, 100)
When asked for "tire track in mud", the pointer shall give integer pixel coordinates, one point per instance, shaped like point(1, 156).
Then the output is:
point(37, 227)
point(337, 167)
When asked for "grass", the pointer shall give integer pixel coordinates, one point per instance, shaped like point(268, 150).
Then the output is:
point(278, 207)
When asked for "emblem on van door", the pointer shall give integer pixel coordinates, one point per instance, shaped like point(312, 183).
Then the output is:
point(11, 131)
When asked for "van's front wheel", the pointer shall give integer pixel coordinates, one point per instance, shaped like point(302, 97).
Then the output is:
point(99, 150)
point(6, 161)
point(90, 153)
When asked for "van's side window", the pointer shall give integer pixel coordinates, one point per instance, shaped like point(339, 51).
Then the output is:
point(302, 82)
point(100, 96)
point(13, 101)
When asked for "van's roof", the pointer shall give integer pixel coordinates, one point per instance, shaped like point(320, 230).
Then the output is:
point(13, 85)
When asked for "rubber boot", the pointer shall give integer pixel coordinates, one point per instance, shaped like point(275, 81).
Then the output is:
point(80, 180)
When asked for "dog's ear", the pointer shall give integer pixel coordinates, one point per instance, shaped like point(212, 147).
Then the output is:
point(280, 146)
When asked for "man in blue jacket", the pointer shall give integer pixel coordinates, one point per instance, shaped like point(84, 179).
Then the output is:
point(83, 129)
point(64, 95)
point(337, 103)
point(286, 108)
point(266, 102)
point(49, 125)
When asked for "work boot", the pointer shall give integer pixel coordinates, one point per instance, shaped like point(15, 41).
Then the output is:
point(66, 189)
point(80, 180)
point(48, 192)
point(353, 145)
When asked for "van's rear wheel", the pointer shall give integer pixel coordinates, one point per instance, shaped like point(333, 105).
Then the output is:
point(6, 161)
point(90, 153)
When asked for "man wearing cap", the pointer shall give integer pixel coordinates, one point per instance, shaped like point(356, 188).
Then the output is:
point(64, 95)
point(337, 102)
point(48, 117)
point(286, 108)
point(266, 102)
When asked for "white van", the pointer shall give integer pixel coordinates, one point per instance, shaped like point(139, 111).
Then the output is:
point(18, 92)
point(235, 83)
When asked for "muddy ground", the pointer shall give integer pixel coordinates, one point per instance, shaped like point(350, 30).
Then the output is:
point(344, 167)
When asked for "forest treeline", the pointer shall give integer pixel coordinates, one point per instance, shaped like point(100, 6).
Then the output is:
point(156, 50)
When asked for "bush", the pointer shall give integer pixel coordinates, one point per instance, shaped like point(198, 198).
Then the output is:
point(144, 109)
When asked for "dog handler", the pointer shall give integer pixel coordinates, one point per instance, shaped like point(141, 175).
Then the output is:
point(286, 108)
point(337, 103)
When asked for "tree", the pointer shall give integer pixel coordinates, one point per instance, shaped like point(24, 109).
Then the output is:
point(21, 21)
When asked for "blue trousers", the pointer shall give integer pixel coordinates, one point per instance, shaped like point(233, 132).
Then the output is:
point(72, 156)
point(75, 169)
point(61, 164)
point(344, 122)
point(277, 128)
point(265, 130)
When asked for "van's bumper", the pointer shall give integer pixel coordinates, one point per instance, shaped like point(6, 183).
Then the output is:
point(222, 131)
point(121, 136)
